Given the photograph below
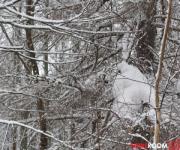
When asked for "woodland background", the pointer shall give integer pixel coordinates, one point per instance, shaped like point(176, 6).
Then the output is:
point(58, 64)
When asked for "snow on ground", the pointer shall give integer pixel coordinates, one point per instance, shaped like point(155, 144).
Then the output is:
point(130, 90)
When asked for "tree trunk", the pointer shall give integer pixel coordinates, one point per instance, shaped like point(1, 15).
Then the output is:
point(42, 124)
point(46, 37)
point(35, 71)
point(146, 37)
point(24, 141)
point(14, 138)
point(159, 72)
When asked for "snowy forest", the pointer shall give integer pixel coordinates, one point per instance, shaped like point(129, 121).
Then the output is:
point(89, 74)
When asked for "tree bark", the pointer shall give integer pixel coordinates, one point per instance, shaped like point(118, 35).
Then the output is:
point(159, 73)
point(14, 146)
point(35, 71)
point(46, 37)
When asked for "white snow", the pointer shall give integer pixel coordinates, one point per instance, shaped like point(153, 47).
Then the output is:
point(152, 115)
point(130, 89)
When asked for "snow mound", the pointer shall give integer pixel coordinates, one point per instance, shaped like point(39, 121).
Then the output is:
point(130, 90)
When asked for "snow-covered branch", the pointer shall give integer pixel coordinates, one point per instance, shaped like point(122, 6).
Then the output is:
point(10, 122)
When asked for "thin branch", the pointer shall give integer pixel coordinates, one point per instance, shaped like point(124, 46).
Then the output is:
point(38, 131)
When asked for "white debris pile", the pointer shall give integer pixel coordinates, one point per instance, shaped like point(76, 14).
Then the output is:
point(130, 90)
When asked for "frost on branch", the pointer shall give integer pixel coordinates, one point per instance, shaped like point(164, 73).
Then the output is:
point(132, 92)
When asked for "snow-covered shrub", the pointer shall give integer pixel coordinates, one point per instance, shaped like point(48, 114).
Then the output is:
point(131, 90)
